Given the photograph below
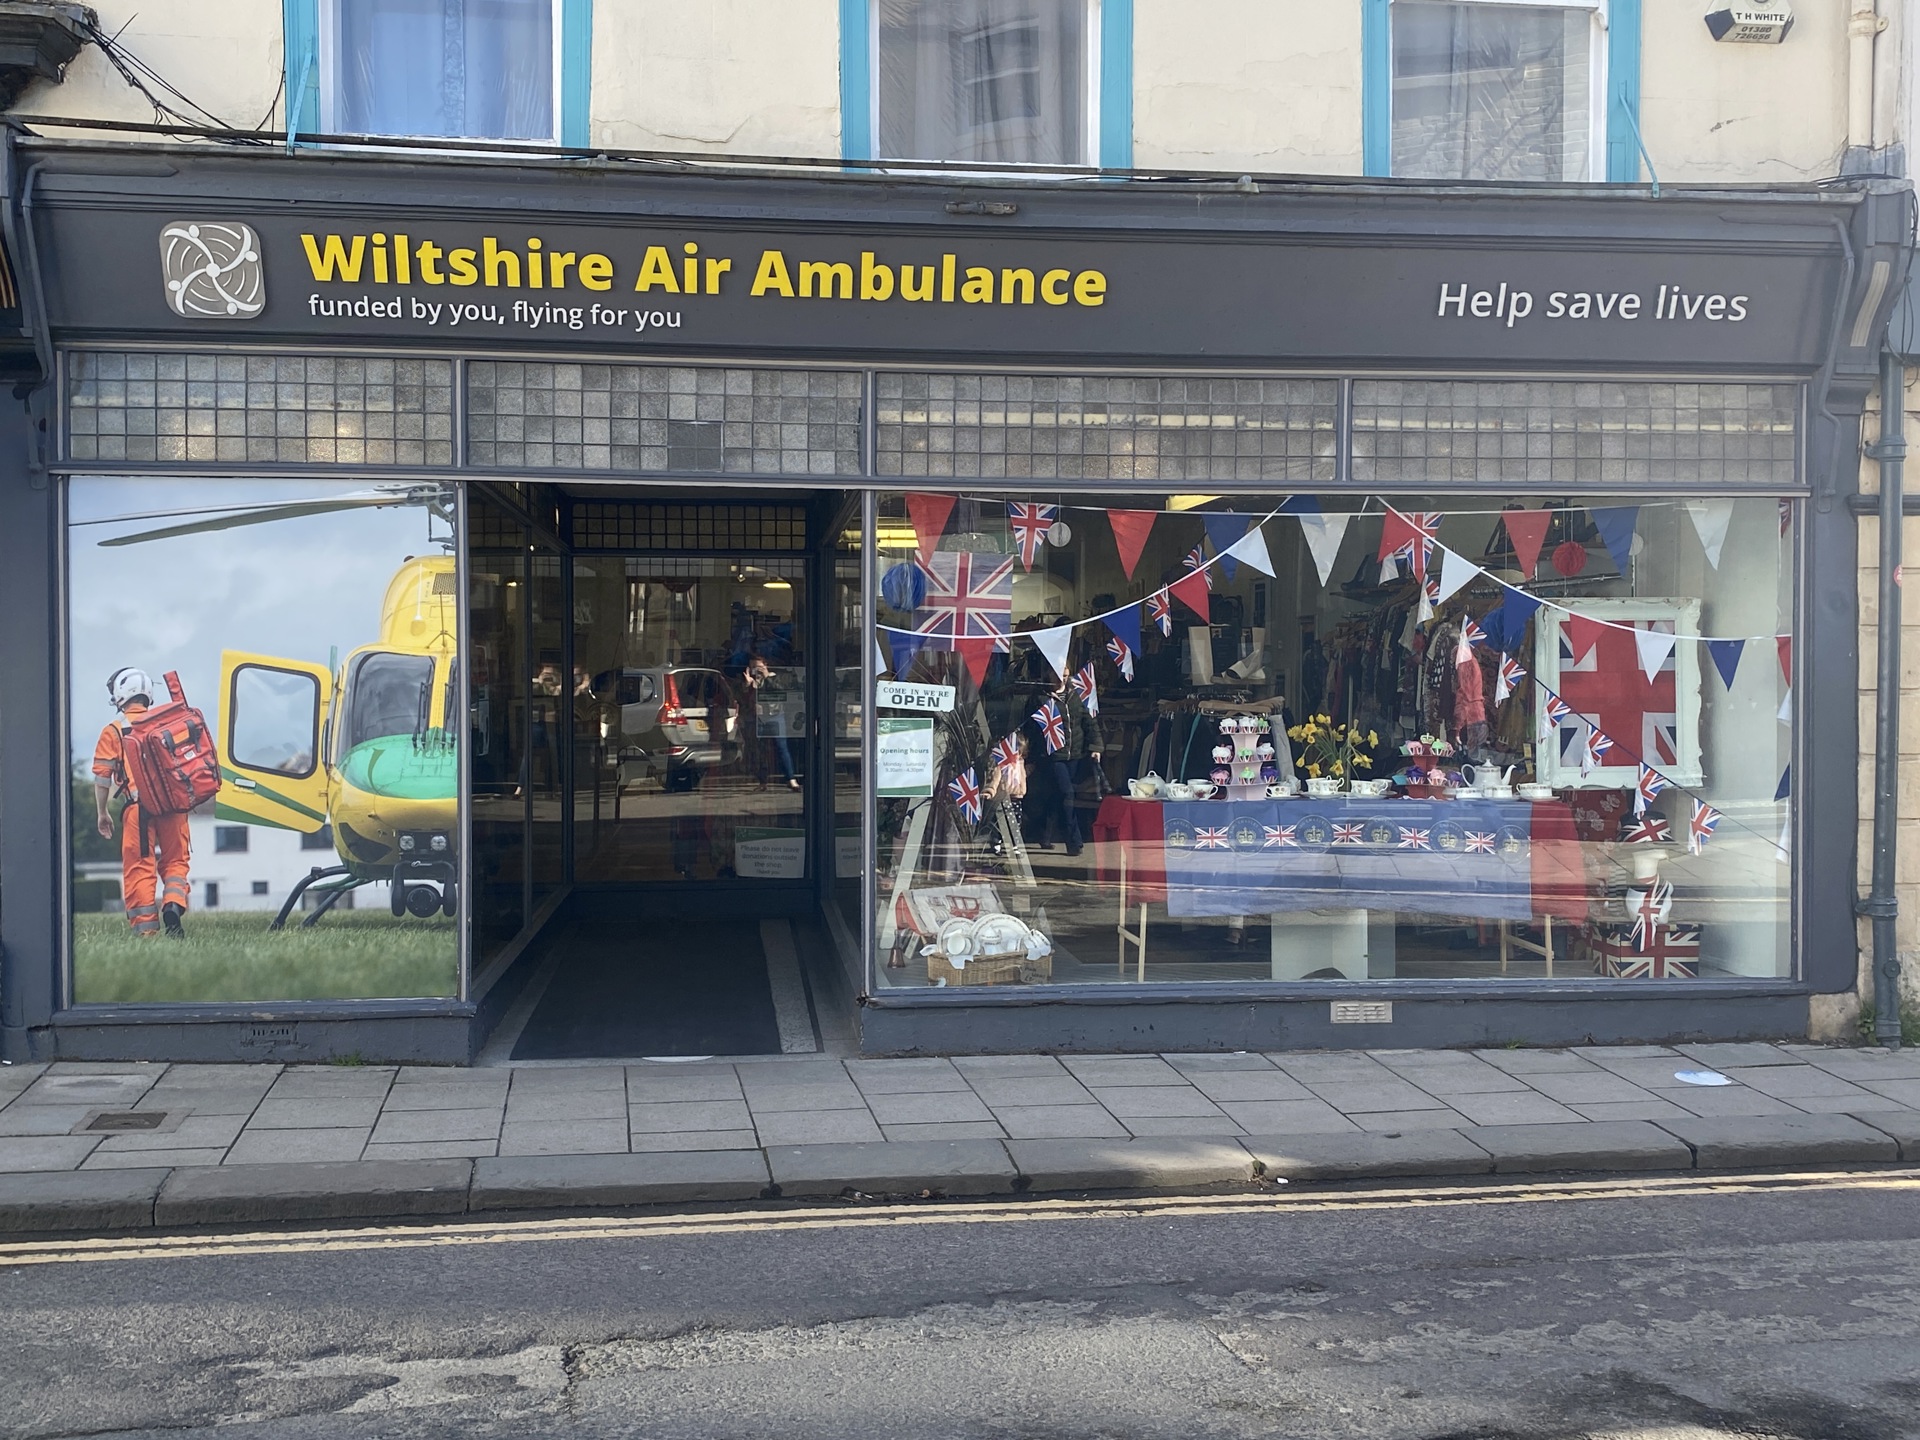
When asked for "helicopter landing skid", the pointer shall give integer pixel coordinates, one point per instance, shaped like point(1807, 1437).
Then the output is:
point(330, 895)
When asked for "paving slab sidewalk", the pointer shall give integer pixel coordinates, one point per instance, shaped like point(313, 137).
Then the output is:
point(101, 1147)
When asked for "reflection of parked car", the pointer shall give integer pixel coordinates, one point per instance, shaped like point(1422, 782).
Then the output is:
point(665, 721)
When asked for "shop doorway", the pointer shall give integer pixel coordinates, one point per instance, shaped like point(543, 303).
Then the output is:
point(676, 772)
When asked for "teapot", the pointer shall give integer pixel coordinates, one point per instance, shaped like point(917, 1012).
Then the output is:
point(1487, 777)
point(1148, 787)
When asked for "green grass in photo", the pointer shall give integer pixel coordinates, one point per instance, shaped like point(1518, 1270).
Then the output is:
point(231, 955)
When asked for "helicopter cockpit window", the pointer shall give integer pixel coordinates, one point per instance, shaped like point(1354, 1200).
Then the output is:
point(389, 695)
point(276, 716)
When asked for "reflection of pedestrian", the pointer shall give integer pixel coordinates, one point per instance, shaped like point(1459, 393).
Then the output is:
point(1065, 766)
point(765, 713)
point(155, 854)
point(547, 688)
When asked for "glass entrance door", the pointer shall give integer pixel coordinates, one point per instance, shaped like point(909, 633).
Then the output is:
point(690, 719)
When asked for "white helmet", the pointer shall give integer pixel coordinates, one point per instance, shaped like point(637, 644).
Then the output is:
point(127, 684)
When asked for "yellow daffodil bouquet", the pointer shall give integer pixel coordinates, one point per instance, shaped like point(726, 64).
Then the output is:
point(1325, 748)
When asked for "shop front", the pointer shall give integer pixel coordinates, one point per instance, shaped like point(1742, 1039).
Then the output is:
point(469, 608)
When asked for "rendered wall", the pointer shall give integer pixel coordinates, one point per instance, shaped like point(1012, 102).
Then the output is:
point(743, 77)
point(1264, 85)
point(227, 56)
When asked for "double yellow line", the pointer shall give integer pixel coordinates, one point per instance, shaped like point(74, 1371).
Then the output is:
point(422, 1235)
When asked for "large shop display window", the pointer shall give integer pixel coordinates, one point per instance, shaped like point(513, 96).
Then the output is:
point(1149, 738)
point(264, 684)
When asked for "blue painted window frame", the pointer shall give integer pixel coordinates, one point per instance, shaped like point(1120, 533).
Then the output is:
point(1623, 89)
point(300, 21)
point(1115, 129)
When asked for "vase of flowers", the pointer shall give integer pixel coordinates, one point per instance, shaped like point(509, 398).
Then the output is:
point(1329, 751)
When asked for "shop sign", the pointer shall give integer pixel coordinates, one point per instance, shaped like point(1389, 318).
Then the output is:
point(902, 695)
point(903, 758)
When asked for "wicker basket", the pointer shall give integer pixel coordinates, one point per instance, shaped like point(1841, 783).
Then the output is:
point(980, 969)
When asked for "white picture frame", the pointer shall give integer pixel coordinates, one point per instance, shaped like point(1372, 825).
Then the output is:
point(1558, 764)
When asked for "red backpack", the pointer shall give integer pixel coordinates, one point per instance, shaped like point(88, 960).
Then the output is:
point(170, 756)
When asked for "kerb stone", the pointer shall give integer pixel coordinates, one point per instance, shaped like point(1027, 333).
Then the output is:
point(1597, 1145)
point(78, 1199)
point(321, 1190)
point(896, 1167)
point(1368, 1155)
point(1743, 1142)
point(552, 1182)
point(1155, 1163)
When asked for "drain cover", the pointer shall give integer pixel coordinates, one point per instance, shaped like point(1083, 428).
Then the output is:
point(128, 1120)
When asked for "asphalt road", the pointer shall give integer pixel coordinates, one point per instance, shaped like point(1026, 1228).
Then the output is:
point(1667, 1309)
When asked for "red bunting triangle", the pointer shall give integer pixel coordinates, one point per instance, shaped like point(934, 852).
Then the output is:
point(1784, 643)
point(929, 514)
point(1583, 633)
point(977, 651)
point(1527, 529)
point(1191, 591)
point(1394, 532)
point(1130, 531)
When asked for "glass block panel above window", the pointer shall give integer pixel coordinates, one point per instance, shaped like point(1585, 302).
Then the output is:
point(162, 408)
point(1552, 433)
point(1095, 427)
point(1492, 91)
point(648, 419)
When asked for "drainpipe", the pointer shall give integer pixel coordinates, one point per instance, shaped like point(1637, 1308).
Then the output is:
point(1863, 25)
point(1882, 905)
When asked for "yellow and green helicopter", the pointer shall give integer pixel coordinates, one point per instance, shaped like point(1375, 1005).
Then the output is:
point(366, 746)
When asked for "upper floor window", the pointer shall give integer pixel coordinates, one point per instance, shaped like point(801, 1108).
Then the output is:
point(459, 69)
point(986, 80)
point(1498, 90)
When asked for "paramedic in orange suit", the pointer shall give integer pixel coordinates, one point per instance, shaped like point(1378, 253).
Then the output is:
point(154, 851)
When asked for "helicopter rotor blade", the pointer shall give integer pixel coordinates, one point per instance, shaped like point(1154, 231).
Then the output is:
point(235, 517)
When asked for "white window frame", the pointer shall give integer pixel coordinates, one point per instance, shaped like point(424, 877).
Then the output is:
point(1596, 73)
point(330, 81)
point(1090, 121)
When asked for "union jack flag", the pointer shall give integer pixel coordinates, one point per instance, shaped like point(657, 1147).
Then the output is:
point(1198, 561)
point(1480, 842)
point(1354, 834)
point(1700, 826)
point(1161, 609)
point(1558, 712)
point(1006, 754)
point(965, 789)
point(1647, 830)
point(1122, 656)
point(1422, 531)
point(1648, 788)
point(1084, 686)
point(1030, 524)
point(1598, 744)
point(1511, 674)
point(969, 596)
point(1411, 839)
point(1278, 837)
point(1053, 725)
point(1650, 908)
point(1211, 838)
point(1470, 635)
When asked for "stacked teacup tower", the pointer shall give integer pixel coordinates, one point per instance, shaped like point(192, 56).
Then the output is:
point(1244, 765)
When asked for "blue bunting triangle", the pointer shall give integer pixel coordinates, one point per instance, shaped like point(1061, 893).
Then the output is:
point(1726, 658)
point(1509, 619)
point(1126, 625)
point(1225, 529)
point(905, 644)
point(1615, 524)
point(1785, 787)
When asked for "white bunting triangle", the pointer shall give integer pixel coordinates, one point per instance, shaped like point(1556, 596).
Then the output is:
point(1455, 570)
point(882, 665)
point(1251, 549)
point(1654, 647)
point(1054, 644)
point(1785, 713)
point(1323, 535)
point(1710, 520)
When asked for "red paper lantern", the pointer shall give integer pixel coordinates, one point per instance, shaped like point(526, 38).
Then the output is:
point(1570, 558)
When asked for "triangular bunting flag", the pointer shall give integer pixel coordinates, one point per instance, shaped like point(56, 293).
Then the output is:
point(1785, 713)
point(879, 656)
point(1252, 548)
point(1029, 523)
point(1054, 644)
point(1700, 825)
point(1710, 519)
point(1527, 529)
point(1615, 524)
point(1125, 624)
point(1583, 633)
point(1785, 787)
point(977, 651)
point(1507, 625)
point(905, 644)
point(1785, 855)
point(929, 514)
point(1087, 686)
point(1224, 530)
point(1726, 658)
point(1130, 531)
point(1654, 647)
point(1784, 645)
point(1161, 609)
point(1455, 570)
point(1511, 674)
point(1191, 591)
point(1323, 535)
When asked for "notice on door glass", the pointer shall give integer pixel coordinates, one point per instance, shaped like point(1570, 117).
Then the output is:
point(768, 854)
point(903, 757)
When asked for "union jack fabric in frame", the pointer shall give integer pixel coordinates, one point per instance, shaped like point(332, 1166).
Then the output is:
point(969, 596)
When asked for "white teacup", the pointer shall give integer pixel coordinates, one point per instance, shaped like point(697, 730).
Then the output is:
point(1282, 789)
point(1200, 789)
point(1498, 792)
point(1369, 789)
point(1536, 792)
point(1323, 785)
point(1179, 790)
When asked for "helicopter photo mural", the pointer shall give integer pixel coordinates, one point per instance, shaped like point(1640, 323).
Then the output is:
point(266, 716)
